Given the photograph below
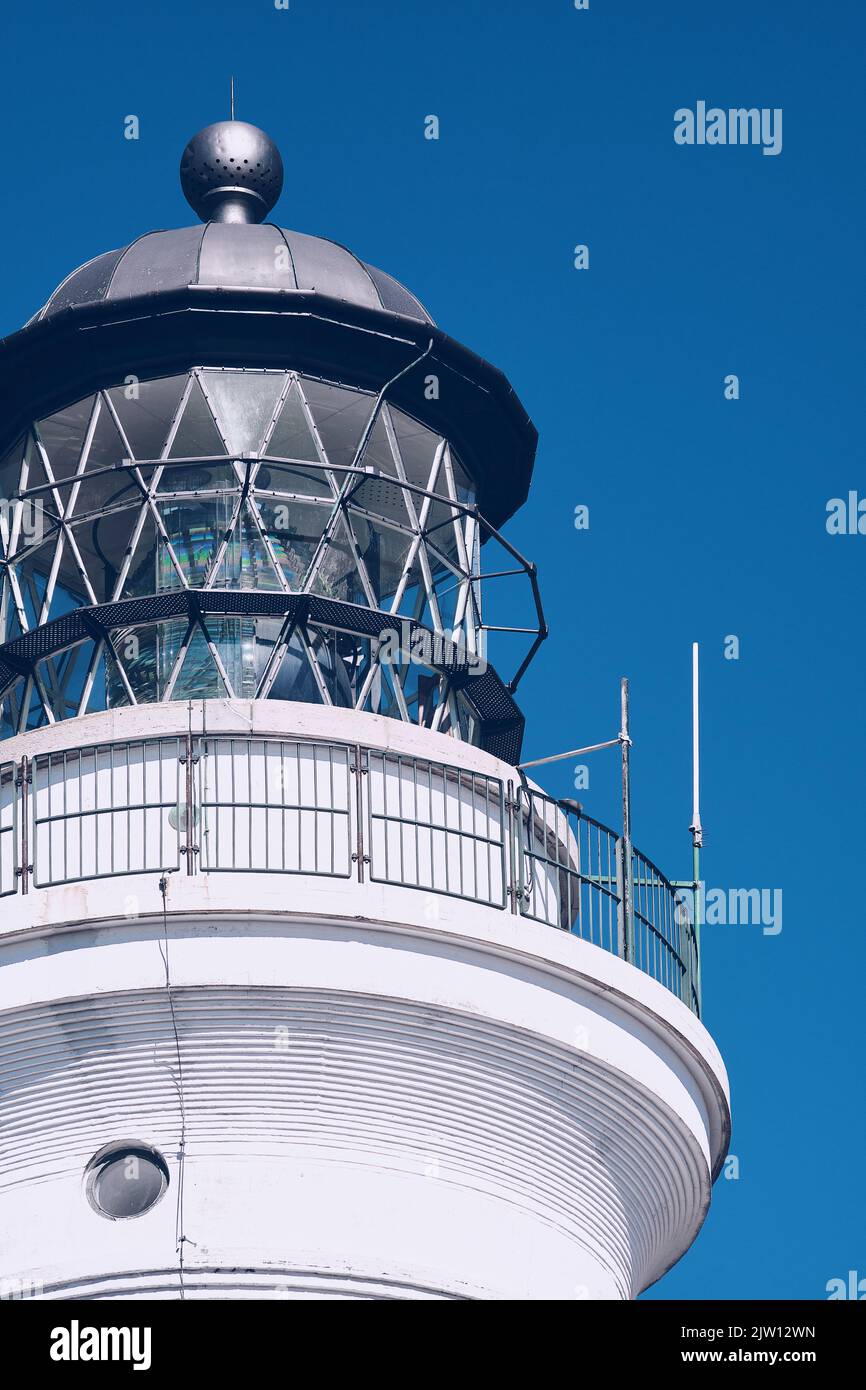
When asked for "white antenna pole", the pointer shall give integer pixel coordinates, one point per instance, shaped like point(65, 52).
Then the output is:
point(695, 827)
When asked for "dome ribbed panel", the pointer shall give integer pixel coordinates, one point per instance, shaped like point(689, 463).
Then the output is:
point(156, 264)
point(232, 256)
point(395, 296)
point(326, 268)
point(86, 285)
point(245, 256)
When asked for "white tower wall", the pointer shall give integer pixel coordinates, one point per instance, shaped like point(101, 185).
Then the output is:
point(384, 1090)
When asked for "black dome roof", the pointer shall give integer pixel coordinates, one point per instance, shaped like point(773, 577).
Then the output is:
point(236, 256)
point(234, 290)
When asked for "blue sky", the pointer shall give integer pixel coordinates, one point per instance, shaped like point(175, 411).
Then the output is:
point(707, 516)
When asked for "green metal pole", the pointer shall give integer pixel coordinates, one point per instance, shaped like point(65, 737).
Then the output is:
point(697, 911)
point(627, 883)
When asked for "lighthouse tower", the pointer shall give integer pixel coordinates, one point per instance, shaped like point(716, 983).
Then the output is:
point(306, 989)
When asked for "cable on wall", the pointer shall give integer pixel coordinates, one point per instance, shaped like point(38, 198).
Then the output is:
point(180, 1238)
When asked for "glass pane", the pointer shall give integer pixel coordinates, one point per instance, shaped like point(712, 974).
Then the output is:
point(35, 481)
point(381, 699)
point(197, 435)
point(246, 564)
point(340, 417)
point(385, 558)
point(384, 549)
point(347, 664)
point(417, 447)
point(169, 640)
point(145, 410)
point(64, 676)
point(103, 542)
point(291, 437)
point(276, 477)
point(138, 650)
point(143, 575)
point(327, 649)
point(195, 530)
point(106, 446)
point(448, 591)
point(378, 452)
point(36, 716)
point(11, 625)
point(6, 609)
point(199, 677)
point(9, 712)
point(69, 588)
point(463, 484)
point(337, 576)
point(197, 477)
point(33, 574)
point(244, 404)
point(441, 535)
point(104, 492)
point(295, 679)
point(63, 436)
point(236, 640)
point(294, 530)
point(27, 522)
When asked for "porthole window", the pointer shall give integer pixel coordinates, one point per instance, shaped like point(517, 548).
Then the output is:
point(125, 1180)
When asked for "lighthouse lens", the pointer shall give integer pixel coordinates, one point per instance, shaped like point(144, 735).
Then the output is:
point(126, 1182)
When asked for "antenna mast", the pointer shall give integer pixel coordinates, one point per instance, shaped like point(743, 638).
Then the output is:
point(696, 828)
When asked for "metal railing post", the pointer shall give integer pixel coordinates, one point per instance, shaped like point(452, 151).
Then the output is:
point(696, 926)
point(621, 948)
point(685, 937)
point(200, 754)
point(359, 767)
point(22, 781)
point(513, 847)
point(189, 761)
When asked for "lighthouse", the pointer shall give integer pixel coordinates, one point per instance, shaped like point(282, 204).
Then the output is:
point(307, 988)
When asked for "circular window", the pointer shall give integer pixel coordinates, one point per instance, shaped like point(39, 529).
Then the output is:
point(125, 1180)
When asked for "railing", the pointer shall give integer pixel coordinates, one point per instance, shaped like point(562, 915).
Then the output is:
point(436, 827)
point(568, 870)
point(664, 942)
point(112, 809)
point(274, 806)
point(219, 803)
point(569, 874)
